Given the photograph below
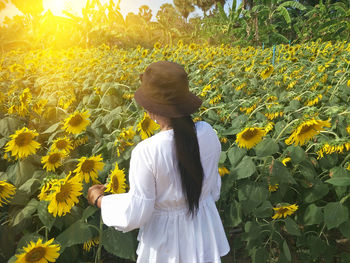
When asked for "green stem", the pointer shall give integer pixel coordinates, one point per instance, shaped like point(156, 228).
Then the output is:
point(99, 249)
point(285, 128)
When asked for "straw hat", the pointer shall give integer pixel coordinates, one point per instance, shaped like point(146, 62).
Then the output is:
point(164, 91)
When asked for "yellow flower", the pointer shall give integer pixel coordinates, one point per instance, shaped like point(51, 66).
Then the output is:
point(223, 170)
point(215, 100)
point(77, 122)
point(53, 160)
point(307, 130)
point(267, 72)
point(273, 188)
point(144, 53)
point(22, 143)
point(116, 184)
point(147, 126)
point(349, 83)
point(39, 106)
point(348, 129)
point(286, 160)
point(157, 45)
point(192, 46)
point(124, 139)
point(80, 141)
point(269, 127)
point(7, 190)
point(62, 144)
point(64, 195)
point(284, 211)
point(91, 243)
point(39, 252)
point(223, 140)
point(89, 167)
point(250, 137)
point(46, 189)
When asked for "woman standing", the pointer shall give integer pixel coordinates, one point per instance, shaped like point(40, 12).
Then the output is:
point(173, 175)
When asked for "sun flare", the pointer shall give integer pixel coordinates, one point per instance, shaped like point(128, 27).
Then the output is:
point(58, 6)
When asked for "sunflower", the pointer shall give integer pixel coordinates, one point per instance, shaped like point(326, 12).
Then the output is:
point(348, 129)
point(64, 195)
point(46, 189)
point(157, 45)
point(266, 72)
point(91, 243)
point(223, 170)
point(39, 252)
point(116, 183)
point(273, 188)
point(22, 143)
point(6, 191)
point(77, 122)
point(89, 167)
point(53, 160)
point(250, 137)
point(147, 126)
point(286, 160)
point(307, 130)
point(284, 211)
point(62, 144)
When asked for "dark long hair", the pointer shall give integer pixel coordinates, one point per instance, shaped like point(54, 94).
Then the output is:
point(189, 163)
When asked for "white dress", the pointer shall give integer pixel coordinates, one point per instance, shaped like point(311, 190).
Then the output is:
point(156, 203)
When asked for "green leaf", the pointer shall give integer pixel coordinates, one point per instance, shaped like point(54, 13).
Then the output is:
point(260, 255)
point(26, 212)
point(296, 153)
point(264, 210)
point(266, 148)
point(30, 186)
point(345, 229)
point(234, 217)
point(292, 227)
point(45, 217)
point(313, 215)
point(293, 4)
point(52, 128)
point(316, 192)
point(280, 174)
point(245, 168)
point(235, 155)
point(89, 211)
point(284, 12)
point(78, 233)
point(286, 251)
point(222, 157)
point(307, 170)
point(9, 125)
point(335, 214)
point(120, 244)
point(339, 181)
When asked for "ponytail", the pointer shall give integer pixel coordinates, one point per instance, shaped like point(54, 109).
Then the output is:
point(189, 163)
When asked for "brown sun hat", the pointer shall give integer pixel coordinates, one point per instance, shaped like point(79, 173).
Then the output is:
point(164, 91)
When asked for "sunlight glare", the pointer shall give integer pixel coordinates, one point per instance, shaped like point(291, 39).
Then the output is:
point(57, 6)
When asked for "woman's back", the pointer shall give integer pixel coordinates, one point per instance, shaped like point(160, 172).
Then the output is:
point(167, 232)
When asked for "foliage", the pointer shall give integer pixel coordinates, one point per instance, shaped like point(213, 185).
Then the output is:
point(280, 202)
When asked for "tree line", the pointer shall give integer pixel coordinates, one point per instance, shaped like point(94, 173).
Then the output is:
point(258, 22)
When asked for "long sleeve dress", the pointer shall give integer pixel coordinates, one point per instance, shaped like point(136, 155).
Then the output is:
point(156, 203)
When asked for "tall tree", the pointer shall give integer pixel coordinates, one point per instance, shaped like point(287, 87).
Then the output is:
point(205, 5)
point(167, 15)
point(185, 7)
point(145, 12)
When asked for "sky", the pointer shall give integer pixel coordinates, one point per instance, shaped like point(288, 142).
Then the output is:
point(126, 6)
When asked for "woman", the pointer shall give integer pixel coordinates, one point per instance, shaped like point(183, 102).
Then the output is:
point(173, 175)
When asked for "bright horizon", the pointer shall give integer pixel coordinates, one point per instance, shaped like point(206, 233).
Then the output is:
point(75, 7)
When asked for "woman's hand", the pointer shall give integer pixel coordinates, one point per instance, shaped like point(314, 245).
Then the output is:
point(94, 192)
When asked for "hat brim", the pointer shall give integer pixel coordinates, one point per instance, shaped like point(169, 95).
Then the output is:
point(185, 108)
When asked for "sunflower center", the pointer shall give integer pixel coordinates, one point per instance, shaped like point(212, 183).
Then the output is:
point(145, 124)
point(88, 166)
point(64, 193)
point(23, 139)
point(54, 158)
point(35, 254)
point(61, 144)
point(306, 129)
point(75, 120)
point(249, 134)
point(283, 211)
point(115, 184)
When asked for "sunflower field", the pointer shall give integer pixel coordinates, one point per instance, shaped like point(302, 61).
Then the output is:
point(68, 120)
